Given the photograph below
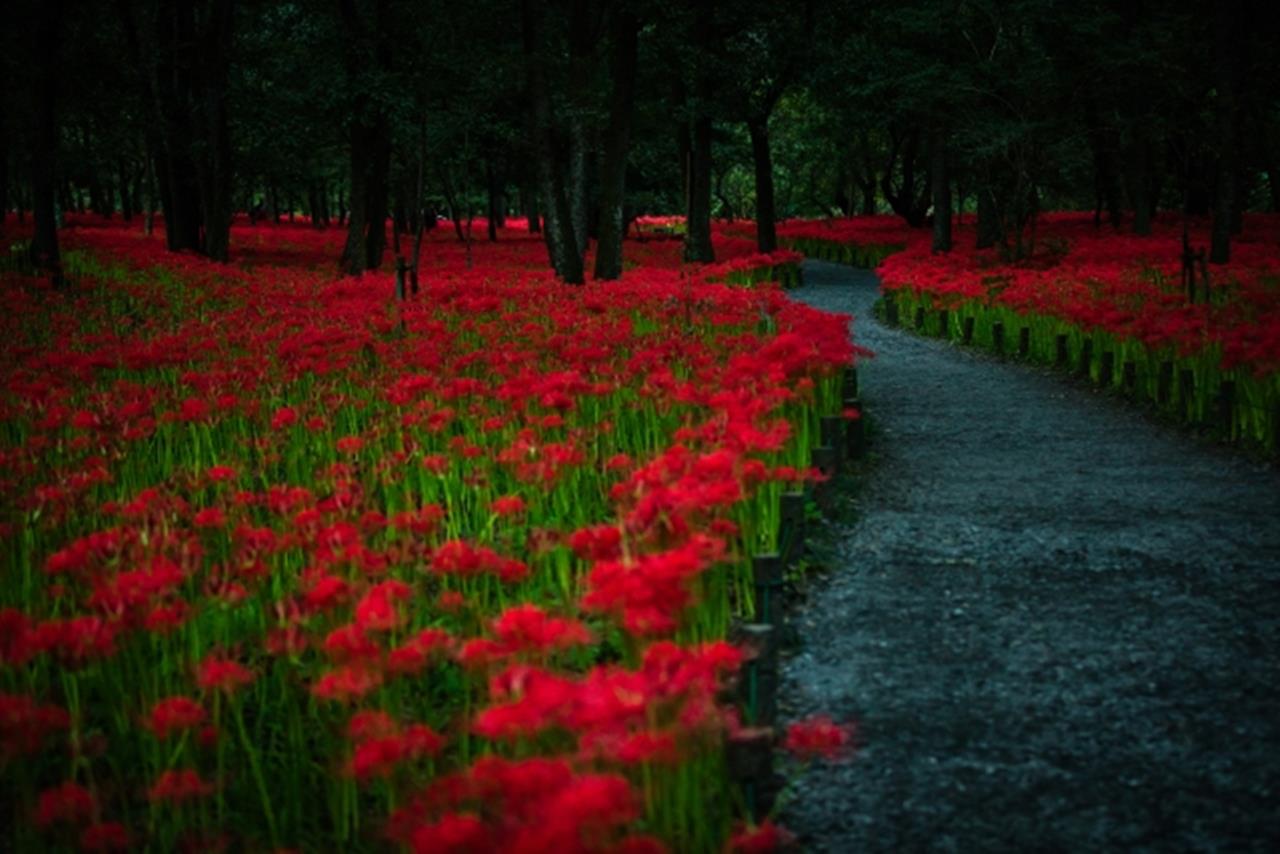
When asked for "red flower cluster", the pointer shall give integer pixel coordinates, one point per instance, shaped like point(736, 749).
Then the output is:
point(276, 527)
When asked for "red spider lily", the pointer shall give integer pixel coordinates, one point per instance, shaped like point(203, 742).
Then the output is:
point(527, 628)
point(417, 652)
point(349, 445)
point(77, 640)
point(210, 517)
point(25, 723)
point(462, 833)
point(68, 803)
point(347, 684)
point(177, 786)
point(451, 601)
point(220, 474)
point(381, 745)
point(527, 700)
point(377, 611)
point(105, 836)
point(193, 410)
point(175, 714)
point(597, 543)
point(817, 738)
point(648, 593)
point(764, 838)
point(508, 505)
point(166, 617)
point(646, 747)
point(500, 383)
point(349, 643)
point(221, 674)
point(16, 637)
point(458, 557)
point(284, 417)
point(326, 592)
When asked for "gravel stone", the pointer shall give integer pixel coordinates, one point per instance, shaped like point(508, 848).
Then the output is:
point(1055, 621)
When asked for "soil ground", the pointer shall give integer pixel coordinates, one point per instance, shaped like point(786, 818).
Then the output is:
point(1055, 620)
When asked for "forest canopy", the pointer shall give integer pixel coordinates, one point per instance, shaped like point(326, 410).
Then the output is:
point(583, 114)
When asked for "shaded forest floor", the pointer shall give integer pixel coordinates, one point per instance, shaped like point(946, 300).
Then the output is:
point(1056, 622)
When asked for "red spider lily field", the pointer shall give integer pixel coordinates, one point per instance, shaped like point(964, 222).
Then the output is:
point(291, 564)
point(1108, 305)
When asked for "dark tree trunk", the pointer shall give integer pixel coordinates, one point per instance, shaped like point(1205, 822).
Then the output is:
point(174, 85)
point(494, 205)
point(909, 201)
point(367, 47)
point(697, 239)
point(865, 174)
point(378, 189)
point(940, 178)
point(989, 231)
point(581, 48)
point(868, 198)
point(613, 174)
point(1139, 181)
point(566, 258)
point(1103, 145)
point(766, 223)
point(353, 254)
point(214, 167)
point(44, 242)
point(126, 191)
point(1227, 44)
point(529, 201)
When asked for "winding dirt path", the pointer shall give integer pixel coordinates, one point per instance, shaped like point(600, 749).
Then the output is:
point(1056, 621)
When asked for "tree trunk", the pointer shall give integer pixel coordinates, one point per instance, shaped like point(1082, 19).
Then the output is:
point(940, 179)
point(174, 89)
point(370, 130)
point(868, 198)
point(907, 201)
point(613, 175)
point(1106, 178)
point(44, 242)
point(580, 74)
point(1139, 180)
point(697, 238)
point(989, 231)
point(1227, 41)
point(494, 192)
point(562, 249)
point(766, 223)
point(376, 210)
point(126, 195)
point(529, 201)
point(214, 167)
point(353, 254)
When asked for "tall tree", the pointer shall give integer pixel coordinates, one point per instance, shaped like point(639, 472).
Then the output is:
point(368, 66)
point(182, 53)
point(562, 245)
point(697, 238)
point(44, 243)
point(1230, 39)
point(613, 172)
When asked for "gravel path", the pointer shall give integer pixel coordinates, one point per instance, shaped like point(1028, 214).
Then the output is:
point(1056, 621)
